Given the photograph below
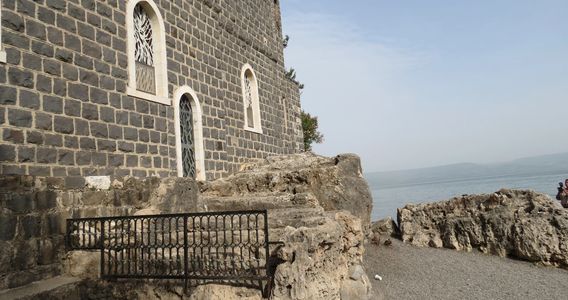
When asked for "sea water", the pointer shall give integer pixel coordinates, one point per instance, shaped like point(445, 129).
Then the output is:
point(387, 199)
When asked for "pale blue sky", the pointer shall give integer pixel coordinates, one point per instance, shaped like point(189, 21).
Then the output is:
point(408, 84)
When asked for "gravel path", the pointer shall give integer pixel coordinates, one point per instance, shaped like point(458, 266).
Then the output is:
point(411, 272)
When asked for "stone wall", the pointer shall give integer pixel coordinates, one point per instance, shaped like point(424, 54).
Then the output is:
point(64, 107)
point(34, 210)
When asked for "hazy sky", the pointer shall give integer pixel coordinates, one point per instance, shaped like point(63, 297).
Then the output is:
point(409, 84)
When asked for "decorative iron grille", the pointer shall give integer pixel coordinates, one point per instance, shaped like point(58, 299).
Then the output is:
point(194, 246)
point(187, 138)
point(144, 51)
point(249, 99)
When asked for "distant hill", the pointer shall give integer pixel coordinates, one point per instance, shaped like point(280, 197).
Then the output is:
point(537, 165)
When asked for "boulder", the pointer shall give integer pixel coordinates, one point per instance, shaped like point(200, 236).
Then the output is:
point(521, 224)
point(385, 227)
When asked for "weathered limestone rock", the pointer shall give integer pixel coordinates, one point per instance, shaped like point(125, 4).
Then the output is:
point(224, 292)
point(383, 230)
point(322, 262)
point(306, 179)
point(522, 224)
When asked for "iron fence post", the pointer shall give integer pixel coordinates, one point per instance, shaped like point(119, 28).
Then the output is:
point(102, 246)
point(185, 254)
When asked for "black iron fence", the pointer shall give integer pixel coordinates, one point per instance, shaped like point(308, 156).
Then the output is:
point(200, 246)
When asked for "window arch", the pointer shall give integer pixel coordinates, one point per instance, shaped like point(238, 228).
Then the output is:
point(146, 46)
point(2, 51)
point(182, 97)
point(250, 100)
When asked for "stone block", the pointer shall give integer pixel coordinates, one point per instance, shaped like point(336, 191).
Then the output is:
point(130, 134)
point(115, 132)
point(55, 36)
point(107, 114)
point(53, 104)
point(20, 118)
point(26, 154)
point(7, 153)
point(14, 136)
point(8, 95)
point(29, 99)
point(81, 127)
point(72, 108)
point(66, 158)
point(63, 124)
point(44, 84)
point(8, 224)
point(31, 61)
point(21, 78)
point(89, 77)
point(99, 130)
point(46, 15)
point(34, 137)
point(87, 143)
point(71, 142)
point(12, 21)
point(53, 140)
point(69, 24)
point(43, 121)
point(52, 67)
point(64, 56)
point(39, 171)
point(46, 155)
point(83, 158)
point(78, 91)
point(99, 159)
point(72, 183)
point(35, 29)
point(106, 145)
point(90, 111)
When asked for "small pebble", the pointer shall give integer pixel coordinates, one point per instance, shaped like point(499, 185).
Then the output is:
point(377, 277)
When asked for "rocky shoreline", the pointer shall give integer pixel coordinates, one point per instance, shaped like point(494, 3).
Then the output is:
point(527, 226)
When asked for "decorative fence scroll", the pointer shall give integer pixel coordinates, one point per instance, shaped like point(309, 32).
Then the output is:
point(200, 246)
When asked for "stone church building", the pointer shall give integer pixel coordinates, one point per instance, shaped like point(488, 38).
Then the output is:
point(191, 88)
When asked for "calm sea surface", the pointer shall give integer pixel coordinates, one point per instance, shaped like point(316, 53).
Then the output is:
point(387, 200)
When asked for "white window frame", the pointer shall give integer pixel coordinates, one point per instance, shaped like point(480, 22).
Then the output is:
point(159, 44)
point(255, 100)
point(197, 132)
point(2, 50)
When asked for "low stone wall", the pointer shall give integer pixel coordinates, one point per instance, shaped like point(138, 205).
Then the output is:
point(34, 210)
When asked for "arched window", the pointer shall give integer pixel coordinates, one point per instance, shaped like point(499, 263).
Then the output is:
point(190, 154)
point(250, 100)
point(147, 64)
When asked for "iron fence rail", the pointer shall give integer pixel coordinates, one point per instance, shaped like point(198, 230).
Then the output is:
point(203, 246)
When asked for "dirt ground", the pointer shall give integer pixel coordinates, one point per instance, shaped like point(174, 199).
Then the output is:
point(410, 272)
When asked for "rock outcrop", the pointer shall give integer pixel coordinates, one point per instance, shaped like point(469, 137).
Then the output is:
point(319, 209)
point(521, 224)
point(322, 261)
point(305, 179)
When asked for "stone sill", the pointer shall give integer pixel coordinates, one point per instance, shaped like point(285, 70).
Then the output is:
point(147, 96)
point(255, 130)
point(2, 56)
